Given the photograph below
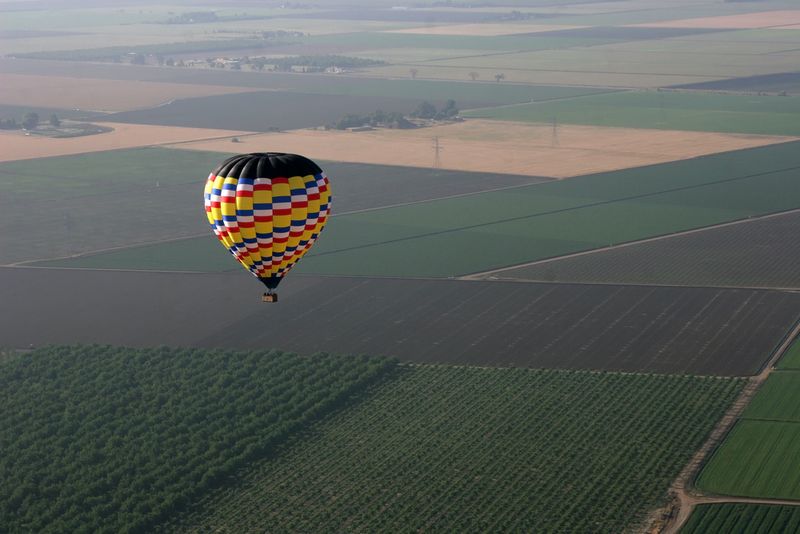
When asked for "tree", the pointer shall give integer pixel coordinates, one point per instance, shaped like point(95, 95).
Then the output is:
point(499, 76)
point(170, 62)
point(55, 122)
point(425, 110)
point(413, 73)
point(30, 120)
point(474, 75)
point(138, 59)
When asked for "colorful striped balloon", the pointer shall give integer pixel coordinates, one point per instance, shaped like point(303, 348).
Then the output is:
point(267, 209)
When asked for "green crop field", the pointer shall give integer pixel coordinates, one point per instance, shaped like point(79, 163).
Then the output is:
point(121, 198)
point(743, 519)
point(451, 449)
point(778, 399)
point(758, 459)
point(74, 204)
point(496, 229)
point(791, 360)
point(773, 115)
point(108, 439)
point(760, 456)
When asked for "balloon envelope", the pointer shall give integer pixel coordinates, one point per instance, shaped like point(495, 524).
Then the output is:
point(267, 209)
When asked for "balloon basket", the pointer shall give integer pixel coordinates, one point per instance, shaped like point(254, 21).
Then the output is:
point(269, 297)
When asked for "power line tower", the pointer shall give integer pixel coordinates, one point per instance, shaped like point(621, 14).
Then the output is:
point(554, 137)
point(437, 148)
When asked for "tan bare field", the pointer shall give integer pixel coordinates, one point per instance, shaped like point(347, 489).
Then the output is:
point(485, 30)
point(762, 19)
point(98, 95)
point(500, 147)
point(15, 145)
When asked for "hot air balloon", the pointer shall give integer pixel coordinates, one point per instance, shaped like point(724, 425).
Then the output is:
point(267, 209)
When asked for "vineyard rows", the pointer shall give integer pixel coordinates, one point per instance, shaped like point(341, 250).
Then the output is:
point(454, 449)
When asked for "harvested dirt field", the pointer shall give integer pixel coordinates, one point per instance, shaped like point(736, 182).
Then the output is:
point(763, 19)
point(15, 145)
point(515, 148)
point(98, 95)
point(485, 30)
point(626, 328)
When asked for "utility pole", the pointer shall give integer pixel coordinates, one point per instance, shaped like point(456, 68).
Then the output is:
point(554, 138)
point(437, 148)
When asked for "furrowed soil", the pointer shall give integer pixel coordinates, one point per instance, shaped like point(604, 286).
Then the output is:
point(637, 329)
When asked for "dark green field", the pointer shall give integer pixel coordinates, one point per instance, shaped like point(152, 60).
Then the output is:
point(119, 198)
point(759, 458)
point(743, 519)
point(108, 439)
point(480, 450)
point(264, 111)
point(791, 360)
point(495, 229)
point(772, 115)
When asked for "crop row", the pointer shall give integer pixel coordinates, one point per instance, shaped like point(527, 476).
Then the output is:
point(743, 518)
point(468, 449)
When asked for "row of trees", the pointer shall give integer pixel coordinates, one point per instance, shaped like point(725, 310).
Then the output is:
point(29, 122)
point(395, 119)
point(498, 77)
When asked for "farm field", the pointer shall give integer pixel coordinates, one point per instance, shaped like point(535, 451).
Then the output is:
point(617, 81)
point(774, 83)
point(465, 449)
point(505, 147)
point(484, 29)
point(636, 329)
point(758, 459)
point(529, 223)
point(156, 194)
point(263, 111)
point(778, 399)
point(18, 146)
point(624, 59)
point(764, 19)
point(98, 95)
point(765, 115)
point(760, 455)
point(791, 360)
point(488, 92)
point(743, 518)
point(90, 445)
point(758, 253)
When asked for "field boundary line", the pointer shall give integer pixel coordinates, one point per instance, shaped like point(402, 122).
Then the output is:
point(754, 218)
point(685, 495)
